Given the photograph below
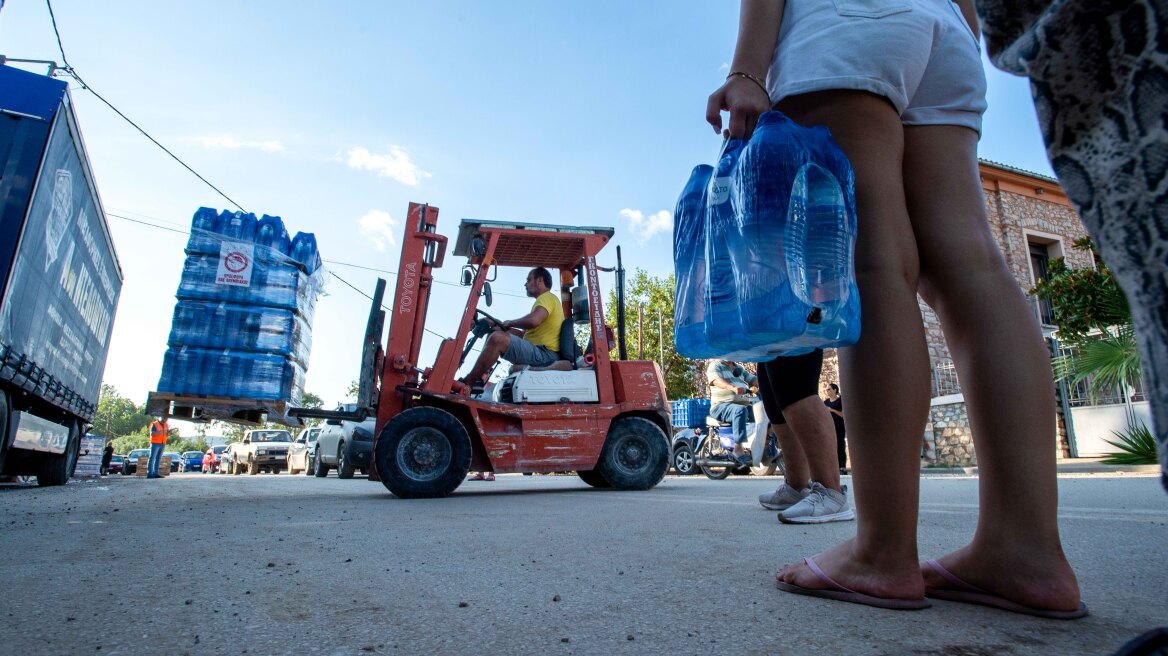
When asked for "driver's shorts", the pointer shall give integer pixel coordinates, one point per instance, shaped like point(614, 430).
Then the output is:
point(521, 351)
point(919, 54)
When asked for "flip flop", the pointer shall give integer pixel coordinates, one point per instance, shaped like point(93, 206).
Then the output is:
point(842, 593)
point(966, 593)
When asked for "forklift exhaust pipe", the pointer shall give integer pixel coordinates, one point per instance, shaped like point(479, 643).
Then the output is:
point(620, 305)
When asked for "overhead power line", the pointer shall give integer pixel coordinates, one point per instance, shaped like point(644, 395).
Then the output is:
point(68, 68)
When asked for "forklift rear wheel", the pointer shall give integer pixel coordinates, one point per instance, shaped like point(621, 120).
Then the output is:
point(594, 478)
point(423, 453)
point(635, 455)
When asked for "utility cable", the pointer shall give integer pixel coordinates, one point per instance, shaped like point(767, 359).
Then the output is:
point(68, 68)
point(337, 262)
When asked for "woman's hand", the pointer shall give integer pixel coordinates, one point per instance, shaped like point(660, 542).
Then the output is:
point(744, 99)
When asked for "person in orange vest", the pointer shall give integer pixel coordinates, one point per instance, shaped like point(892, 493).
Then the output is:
point(158, 434)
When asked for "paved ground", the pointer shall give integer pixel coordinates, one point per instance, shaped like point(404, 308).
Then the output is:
point(205, 564)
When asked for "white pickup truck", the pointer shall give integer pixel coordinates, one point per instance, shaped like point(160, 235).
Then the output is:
point(260, 450)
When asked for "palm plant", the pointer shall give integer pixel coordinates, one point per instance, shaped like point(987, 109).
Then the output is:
point(1136, 446)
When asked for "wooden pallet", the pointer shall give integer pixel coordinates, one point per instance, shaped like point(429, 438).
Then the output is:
point(144, 463)
point(199, 408)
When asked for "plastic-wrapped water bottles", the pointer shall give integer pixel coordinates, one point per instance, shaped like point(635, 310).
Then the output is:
point(723, 329)
point(305, 252)
point(689, 263)
point(778, 247)
point(246, 341)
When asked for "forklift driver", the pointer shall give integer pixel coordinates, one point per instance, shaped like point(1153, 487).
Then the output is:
point(533, 339)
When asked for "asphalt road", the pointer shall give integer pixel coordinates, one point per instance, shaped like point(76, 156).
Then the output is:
point(276, 564)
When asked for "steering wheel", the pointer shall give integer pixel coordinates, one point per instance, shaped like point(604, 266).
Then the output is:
point(492, 319)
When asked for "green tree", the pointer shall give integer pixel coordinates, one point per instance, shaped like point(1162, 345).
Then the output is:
point(351, 393)
point(1093, 318)
point(117, 415)
point(310, 400)
point(654, 297)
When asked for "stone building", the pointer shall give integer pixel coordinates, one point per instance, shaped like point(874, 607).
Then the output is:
point(1032, 222)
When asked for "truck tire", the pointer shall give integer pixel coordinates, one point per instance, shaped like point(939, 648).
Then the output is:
point(320, 469)
point(594, 478)
point(635, 454)
point(344, 464)
point(423, 453)
point(55, 469)
point(252, 467)
point(4, 413)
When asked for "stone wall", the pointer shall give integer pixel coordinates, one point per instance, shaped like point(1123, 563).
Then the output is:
point(953, 442)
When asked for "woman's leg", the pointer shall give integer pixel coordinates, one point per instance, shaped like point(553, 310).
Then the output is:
point(1004, 370)
point(885, 374)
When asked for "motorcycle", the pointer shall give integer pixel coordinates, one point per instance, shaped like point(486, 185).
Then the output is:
point(711, 450)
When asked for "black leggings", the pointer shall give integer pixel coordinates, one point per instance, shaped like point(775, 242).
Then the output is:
point(785, 380)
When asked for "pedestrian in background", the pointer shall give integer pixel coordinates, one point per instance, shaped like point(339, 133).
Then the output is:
point(811, 492)
point(158, 433)
point(106, 456)
point(900, 85)
point(835, 405)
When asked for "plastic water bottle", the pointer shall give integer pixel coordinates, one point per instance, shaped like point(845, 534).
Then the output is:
point(275, 236)
point(722, 327)
point(305, 252)
point(761, 192)
point(689, 266)
point(818, 243)
point(202, 227)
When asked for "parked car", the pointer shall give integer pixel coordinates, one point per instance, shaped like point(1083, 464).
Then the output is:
point(345, 445)
point(116, 464)
point(175, 460)
point(192, 461)
point(300, 454)
point(216, 457)
point(224, 466)
point(131, 465)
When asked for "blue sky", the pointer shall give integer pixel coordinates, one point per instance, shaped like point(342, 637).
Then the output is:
point(335, 116)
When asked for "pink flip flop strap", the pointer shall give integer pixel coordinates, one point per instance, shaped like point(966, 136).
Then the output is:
point(952, 578)
point(823, 575)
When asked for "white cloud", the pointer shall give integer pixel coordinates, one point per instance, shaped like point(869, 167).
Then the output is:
point(644, 227)
point(228, 142)
point(396, 164)
point(379, 227)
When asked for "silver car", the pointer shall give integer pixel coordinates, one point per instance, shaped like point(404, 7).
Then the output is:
point(300, 455)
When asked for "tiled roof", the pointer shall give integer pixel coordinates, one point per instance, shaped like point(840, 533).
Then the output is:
point(1015, 169)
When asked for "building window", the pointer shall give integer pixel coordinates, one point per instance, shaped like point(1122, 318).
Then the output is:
point(1040, 270)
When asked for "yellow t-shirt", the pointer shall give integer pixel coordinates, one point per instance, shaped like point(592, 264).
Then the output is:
point(547, 333)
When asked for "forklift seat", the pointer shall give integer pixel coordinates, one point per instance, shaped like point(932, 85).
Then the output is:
point(558, 365)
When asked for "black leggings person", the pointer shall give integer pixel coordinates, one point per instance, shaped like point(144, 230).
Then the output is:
point(788, 388)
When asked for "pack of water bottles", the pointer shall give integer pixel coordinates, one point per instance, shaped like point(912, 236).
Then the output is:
point(763, 247)
point(242, 324)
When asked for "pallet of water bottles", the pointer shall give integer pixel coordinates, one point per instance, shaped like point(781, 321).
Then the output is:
point(242, 327)
point(202, 409)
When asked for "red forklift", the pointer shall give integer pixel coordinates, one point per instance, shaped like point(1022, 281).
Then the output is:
point(606, 420)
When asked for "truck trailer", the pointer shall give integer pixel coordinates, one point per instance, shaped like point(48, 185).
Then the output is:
point(60, 280)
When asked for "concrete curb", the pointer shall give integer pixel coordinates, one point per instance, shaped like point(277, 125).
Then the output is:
point(1076, 466)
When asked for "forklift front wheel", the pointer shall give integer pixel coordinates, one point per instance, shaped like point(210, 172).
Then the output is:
point(423, 453)
point(635, 454)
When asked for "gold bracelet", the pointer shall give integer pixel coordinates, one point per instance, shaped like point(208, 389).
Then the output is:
point(752, 78)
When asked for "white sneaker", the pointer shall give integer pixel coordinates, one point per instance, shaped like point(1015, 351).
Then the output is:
point(783, 497)
point(821, 505)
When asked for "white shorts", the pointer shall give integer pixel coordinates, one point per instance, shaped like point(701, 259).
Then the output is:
point(919, 54)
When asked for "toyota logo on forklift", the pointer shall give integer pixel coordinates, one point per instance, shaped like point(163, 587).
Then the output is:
point(607, 420)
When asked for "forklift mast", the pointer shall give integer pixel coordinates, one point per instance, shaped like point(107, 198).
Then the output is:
point(423, 250)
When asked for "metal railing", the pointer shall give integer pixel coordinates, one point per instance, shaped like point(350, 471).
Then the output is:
point(945, 378)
